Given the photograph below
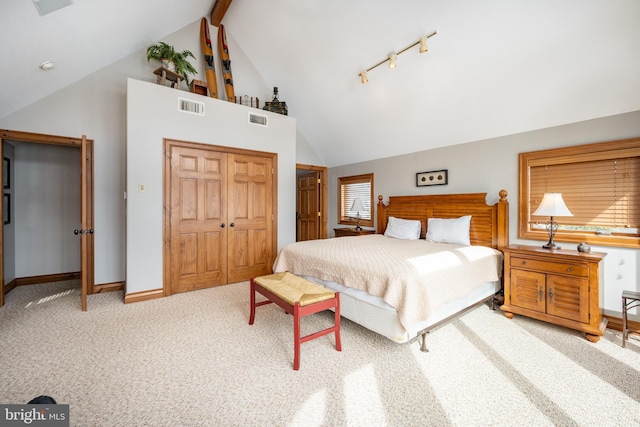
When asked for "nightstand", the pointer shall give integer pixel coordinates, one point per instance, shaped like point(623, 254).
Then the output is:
point(342, 232)
point(555, 286)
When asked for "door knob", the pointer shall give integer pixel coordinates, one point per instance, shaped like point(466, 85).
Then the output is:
point(222, 225)
point(232, 225)
point(89, 231)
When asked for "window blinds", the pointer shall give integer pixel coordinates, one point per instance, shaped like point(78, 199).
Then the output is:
point(352, 188)
point(601, 193)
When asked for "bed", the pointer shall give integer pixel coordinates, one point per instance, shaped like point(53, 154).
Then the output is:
point(403, 286)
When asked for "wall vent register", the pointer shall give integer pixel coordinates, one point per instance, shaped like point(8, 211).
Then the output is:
point(258, 119)
point(189, 106)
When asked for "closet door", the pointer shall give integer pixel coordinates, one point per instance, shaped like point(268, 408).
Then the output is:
point(250, 216)
point(198, 220)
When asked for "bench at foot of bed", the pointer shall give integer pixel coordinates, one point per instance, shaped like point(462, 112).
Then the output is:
point(299, 297)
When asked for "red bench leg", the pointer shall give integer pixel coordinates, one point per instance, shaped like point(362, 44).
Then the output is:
point(296, 337)
point(252, 316)
point(337, 322)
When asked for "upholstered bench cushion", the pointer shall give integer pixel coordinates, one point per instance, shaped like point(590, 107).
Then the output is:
point(292, 288)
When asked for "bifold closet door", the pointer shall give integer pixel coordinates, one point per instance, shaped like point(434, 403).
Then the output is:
point(198, 219)
point(250, 215)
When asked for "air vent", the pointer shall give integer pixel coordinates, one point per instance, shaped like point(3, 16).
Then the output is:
point(258, 119)
point(189, 106)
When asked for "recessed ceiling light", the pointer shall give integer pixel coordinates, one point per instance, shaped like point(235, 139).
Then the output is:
point(46, 65)
point(48, 6)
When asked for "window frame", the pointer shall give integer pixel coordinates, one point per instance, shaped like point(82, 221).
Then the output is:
point(567, 155)
point(355, 179)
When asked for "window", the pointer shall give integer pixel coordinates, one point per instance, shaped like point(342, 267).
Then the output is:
point(600, 184)
point(351, 188)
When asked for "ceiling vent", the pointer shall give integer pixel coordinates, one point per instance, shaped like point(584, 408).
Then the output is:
point(48, 6)
point(192, 107)
point(258, 119)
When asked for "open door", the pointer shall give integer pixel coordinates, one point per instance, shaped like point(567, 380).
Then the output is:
point(308, 207)
point(311, 202)
point(86, 204)
point(85, 229)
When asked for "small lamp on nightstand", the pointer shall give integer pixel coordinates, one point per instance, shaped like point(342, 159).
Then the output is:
point(357, 206)
point(552, 205)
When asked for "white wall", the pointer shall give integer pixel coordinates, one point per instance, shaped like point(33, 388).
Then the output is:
point(45, 209)
point(46, 199)
point(96, 106)
point(491, 165)
point(152, 114)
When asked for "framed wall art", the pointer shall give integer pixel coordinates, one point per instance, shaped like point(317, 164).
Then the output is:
point(424, 179)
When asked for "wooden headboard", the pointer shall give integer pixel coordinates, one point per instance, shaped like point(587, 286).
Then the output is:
point(489, 223)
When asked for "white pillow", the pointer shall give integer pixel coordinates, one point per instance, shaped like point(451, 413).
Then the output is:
point(403, 228)
point(449, 230)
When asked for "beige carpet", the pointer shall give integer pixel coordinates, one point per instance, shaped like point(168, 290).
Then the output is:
point(192, 360)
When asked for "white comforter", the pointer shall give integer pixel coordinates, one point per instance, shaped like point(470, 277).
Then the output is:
point(413, 276)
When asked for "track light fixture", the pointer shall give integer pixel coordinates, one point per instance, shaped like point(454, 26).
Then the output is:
point(393, 56)
point(392, 60)
point(423, 45)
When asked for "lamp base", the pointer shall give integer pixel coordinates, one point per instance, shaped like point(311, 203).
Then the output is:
point(552, 226)
point(551, 245)
point(358, 228)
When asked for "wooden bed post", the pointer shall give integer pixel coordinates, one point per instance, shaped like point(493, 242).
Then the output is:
point(382, 216)
point(502, 231)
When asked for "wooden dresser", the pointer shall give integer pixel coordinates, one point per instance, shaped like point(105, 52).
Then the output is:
point(341, 232)
point(559, 286)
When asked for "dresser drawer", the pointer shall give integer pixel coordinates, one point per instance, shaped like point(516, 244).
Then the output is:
point(550, 266)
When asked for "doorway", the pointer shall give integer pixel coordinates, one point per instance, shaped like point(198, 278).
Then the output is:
point(85, 230)
point(311, 202)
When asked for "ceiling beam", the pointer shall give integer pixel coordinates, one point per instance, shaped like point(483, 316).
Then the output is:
point(219, 9)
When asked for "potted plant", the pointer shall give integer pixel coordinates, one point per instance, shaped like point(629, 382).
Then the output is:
point(169, 58)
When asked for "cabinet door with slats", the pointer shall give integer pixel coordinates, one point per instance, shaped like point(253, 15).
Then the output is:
point(568, 297)
point(528, 289)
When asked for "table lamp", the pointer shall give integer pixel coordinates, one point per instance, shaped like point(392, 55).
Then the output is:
point(552, 205)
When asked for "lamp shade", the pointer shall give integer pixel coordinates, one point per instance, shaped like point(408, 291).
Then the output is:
point(552, 205)
point(357, 205)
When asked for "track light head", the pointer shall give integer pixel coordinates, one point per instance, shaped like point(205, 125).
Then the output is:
point(392, 60)
point(423, 44)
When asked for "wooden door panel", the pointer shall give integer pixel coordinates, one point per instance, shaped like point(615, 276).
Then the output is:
point(307, 207)
point(188, 254)
point(251, 213)
point(240, 205)
point(212, 255)
point(188, 200)
point(240, 249)
point(198, 219)
point(213, 202)
point(568, 297)
point(259, 208)
point(527, 290)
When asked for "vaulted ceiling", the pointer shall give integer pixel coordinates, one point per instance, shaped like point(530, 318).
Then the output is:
point(495, 67)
